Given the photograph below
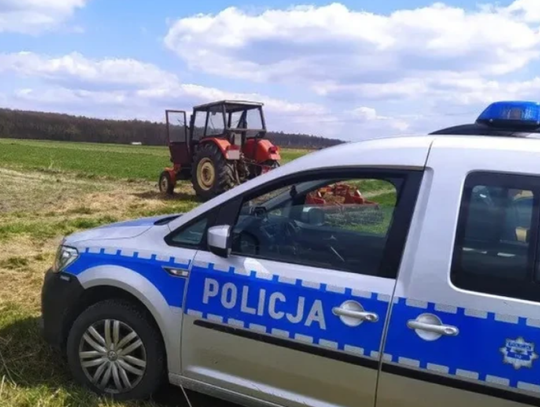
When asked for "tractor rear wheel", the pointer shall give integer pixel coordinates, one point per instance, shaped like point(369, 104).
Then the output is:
point(212, 173)
point(166, 185)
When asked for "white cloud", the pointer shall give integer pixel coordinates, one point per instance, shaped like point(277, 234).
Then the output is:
point(369, 116)
point(436, 89)
point(147, 104)
point(79, 71)
point(528, 10)
point(127, 88)
point(64, 96)
point(35, 16)
point(410, 70)
point(180, 92)
point(311, 44)
point(417, 69)
point(366, 113)
point(111, 87)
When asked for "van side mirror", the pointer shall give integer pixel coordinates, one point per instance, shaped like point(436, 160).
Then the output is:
point(218, 240)
point(314, 216)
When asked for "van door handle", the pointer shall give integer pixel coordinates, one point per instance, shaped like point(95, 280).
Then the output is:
point(361, 315)
point(446, 330)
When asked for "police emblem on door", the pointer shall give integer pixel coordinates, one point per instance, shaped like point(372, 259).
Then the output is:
point(518, 353)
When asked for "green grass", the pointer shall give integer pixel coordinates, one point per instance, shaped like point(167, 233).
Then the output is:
point(43, 230)
point(366, 220)
point(386, 199)
point(93, 159)
point(50, 224)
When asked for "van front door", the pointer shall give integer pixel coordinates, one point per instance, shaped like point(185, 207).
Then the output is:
point(295, 315)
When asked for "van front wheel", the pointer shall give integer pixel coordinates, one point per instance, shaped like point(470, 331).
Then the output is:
point(114, 350)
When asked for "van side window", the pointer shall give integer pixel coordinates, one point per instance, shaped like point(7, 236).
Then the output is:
point(190, 236)
point(328, 223)
point(495, 245)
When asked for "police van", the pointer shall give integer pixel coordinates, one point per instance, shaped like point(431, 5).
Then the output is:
point(264, 296)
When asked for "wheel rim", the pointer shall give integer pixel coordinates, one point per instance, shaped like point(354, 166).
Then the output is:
point(206, 174)
point(164, 184)
point(112, 356)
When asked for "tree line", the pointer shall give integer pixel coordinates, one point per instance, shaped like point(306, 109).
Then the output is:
point(63, 127)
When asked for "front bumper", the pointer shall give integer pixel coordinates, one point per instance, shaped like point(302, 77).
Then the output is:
point(60, 295)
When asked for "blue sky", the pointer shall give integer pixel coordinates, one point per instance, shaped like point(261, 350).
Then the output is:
point(345, 69)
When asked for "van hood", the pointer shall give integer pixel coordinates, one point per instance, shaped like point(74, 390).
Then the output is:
point(121, 230)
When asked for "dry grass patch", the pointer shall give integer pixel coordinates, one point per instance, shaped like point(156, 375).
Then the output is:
point(23, 262)
point(36, 210)
point(43, 206)
point(25, 191)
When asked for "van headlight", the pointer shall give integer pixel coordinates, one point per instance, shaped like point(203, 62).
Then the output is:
point(65, 256)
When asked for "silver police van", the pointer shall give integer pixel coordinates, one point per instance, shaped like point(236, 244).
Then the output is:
point(419, 288)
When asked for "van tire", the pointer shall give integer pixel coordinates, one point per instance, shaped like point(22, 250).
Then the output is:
point(133, 317)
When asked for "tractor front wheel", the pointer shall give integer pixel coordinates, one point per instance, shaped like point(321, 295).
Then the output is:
point(166, 184)
point(212, 173)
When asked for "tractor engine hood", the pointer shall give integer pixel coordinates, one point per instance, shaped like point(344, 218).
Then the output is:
point(121, 230)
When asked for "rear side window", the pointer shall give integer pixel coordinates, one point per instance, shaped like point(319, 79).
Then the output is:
point(497, 236)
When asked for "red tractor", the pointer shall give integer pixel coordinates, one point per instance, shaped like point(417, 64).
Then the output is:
point(223, 146)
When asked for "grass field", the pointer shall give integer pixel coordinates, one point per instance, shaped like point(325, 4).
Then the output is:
point(90, 159)
point(47, 190)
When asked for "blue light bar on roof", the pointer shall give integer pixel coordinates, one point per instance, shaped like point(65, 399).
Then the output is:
point(512, 112)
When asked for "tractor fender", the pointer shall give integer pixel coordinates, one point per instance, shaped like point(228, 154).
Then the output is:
point(261, 150)
point(222, 144)
point(266, 151)
point(230, 151)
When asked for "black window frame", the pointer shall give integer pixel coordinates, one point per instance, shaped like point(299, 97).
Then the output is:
point(210, 215)
point(528, 289)
point(216, 216)
point(403, 212)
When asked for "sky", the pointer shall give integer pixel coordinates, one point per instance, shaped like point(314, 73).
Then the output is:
point(350, 70)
